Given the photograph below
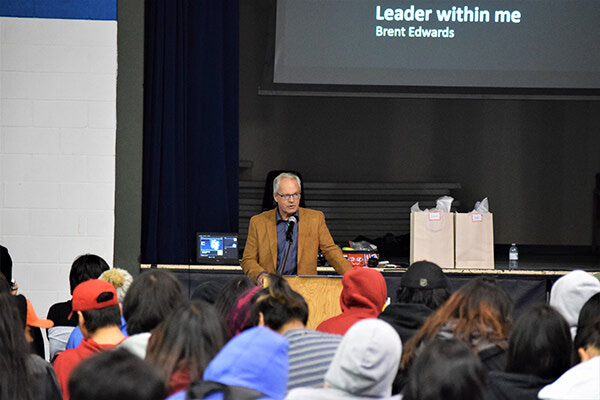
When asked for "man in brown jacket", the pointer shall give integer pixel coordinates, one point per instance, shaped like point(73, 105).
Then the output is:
point(286, 240)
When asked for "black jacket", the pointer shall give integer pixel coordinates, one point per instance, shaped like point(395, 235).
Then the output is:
point(493, 358)
point(510, 386)
point(43, 379)
point(406, 318)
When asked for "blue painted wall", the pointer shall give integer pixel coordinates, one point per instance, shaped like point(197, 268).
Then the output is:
point(60, 9)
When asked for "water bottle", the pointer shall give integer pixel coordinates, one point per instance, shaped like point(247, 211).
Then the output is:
point(513, 257)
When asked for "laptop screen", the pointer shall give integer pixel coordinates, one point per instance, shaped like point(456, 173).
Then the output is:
point(217, 248)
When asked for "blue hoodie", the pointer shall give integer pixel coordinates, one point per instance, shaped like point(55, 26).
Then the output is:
point(255, 359)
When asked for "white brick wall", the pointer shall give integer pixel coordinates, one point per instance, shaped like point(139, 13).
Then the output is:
point(57, 148)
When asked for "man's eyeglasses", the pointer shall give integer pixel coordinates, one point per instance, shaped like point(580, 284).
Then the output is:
point(294, 196)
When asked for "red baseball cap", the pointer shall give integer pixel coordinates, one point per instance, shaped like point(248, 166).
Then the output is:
point(33, 320)
point(85, 295)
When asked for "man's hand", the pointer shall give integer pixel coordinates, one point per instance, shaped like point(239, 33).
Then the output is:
point(260, 279)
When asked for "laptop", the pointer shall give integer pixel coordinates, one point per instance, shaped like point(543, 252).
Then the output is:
point(217, 248)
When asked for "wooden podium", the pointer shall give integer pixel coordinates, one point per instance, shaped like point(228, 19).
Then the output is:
point(322, 293)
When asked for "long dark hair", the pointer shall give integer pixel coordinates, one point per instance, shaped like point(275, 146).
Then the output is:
point(480, 309)
point(190, 337)
point(4, 285)
point(15, 382)
point(446, 369)
point(540, 343)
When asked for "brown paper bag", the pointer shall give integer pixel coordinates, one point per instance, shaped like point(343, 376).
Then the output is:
point(432, 237)
point(474, 240)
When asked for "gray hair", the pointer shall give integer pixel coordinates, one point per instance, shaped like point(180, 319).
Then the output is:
point(284, 175)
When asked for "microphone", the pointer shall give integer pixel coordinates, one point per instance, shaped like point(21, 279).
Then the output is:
point(290, 229)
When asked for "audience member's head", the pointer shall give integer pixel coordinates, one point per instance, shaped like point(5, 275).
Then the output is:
point(366, 361)
point(151, 298)
point(115, 375)
point(364, 293)
point(97, 304)
point(29, 318)
point(365, 288)
point(230, 292)
point(207, 291)
point(589, 312)
point(240, 318)
point(587, 342)
point(477, 313)
point(186, 342)
point(278, 304)
point(120, 279)
point(14, 352)
point(582, 380)
point(540, 344)
point(423, 283)
point(87, 266)
point(569, 294)
point(256, 359)
point(446, 369)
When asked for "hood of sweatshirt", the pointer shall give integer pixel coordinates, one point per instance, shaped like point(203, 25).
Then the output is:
point(257, 359)
point(578, 383)
point(363, 288)
point(571, 292)
point(366, 361)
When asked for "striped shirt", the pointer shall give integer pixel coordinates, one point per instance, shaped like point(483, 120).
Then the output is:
point(310, 354)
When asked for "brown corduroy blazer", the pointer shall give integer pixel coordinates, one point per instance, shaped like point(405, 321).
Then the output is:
point(260, 253)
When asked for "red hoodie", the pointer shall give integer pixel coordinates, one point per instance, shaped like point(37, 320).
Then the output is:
point(363, 296)
point(68, 360)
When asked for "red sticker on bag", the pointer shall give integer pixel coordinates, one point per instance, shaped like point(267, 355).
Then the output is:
point(476, 217)
point(435, 216)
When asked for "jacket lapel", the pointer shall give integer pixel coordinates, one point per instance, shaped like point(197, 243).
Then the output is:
point(301, 228)
point(272, 234)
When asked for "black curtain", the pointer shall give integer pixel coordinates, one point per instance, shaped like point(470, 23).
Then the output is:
point(190, 168)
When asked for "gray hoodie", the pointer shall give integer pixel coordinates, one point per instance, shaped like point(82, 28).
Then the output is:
point(363, 367)
point(136, 344)
point(570, 293)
